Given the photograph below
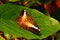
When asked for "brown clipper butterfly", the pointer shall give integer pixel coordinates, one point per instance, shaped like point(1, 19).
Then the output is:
point(25, 21)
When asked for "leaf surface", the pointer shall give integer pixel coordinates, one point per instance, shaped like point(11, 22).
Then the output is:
point(9, 13)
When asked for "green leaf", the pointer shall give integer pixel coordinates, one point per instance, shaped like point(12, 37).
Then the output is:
point(12, 0)
point(9, 13)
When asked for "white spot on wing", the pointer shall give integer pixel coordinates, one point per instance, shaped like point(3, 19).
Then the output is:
point(24, 13)
point(35, 27)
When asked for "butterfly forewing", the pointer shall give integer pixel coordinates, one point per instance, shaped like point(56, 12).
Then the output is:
point(25, 21)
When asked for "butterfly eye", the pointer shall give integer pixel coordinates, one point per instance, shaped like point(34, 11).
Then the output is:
point(25, 21)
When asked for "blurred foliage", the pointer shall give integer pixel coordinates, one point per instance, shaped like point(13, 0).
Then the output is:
point(57, 14)
point(58, 35)
point(46, 1)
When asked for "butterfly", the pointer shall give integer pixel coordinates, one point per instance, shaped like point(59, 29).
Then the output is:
point(27, 22)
